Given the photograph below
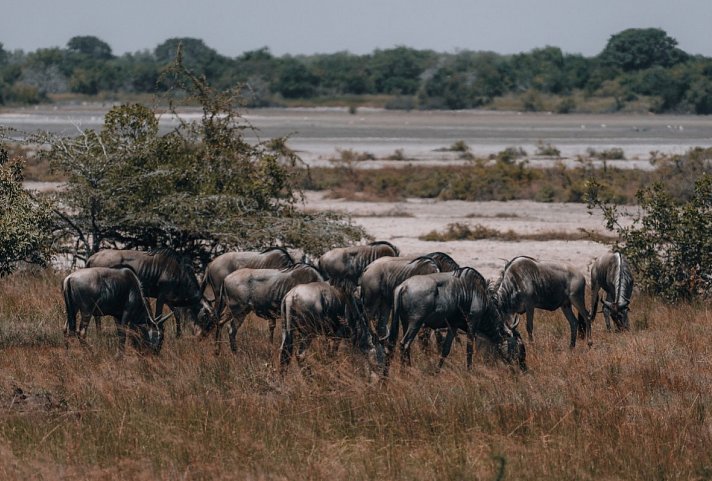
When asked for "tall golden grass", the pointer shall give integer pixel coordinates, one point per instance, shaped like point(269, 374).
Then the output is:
point(634, 406)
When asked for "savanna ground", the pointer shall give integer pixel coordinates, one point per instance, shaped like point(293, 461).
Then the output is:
point(634, 406)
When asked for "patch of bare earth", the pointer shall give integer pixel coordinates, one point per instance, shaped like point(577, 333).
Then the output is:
point(402, 223)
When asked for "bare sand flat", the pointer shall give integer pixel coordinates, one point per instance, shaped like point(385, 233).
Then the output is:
point(403, 222)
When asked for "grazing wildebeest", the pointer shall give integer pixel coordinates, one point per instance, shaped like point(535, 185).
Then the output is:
point(527, 284)
point(319, 308)
point(344, 265)
point(102, 291)
point(261, 291)
point(461, 299)
point(222, 266)
point(381, 277)
point(612, 273)
point(165, 276)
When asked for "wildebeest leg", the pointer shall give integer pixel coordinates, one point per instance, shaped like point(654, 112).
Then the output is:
point(470, 345)
point(530, 324)
point(304, 342)
point(424, 340)
point(160, 302)
point(573, 323)
point(218, 327)
point(594, 300)
point(286, 349)
point(607, 313)
point(272, 325)
point(235, 324)
point(97, 322)
point(333, 347)
point(446, 346)
point(178, 316)
point(121, 327)
point(382, 322)
point(579, 303)
point(83, 324)
point(407, 340)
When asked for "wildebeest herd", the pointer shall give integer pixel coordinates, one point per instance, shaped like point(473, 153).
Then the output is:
point(364, 294)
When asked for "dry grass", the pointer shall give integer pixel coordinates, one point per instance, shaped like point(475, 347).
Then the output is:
point(635, 406)
point(460, 231)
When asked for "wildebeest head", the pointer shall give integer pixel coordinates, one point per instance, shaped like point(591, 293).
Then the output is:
point(206, 318)
point(152, 333)
point(619, 314)
point(512, 347)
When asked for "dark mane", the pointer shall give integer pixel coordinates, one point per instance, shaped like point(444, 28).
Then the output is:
point(386, 243)
point(505, 286)
point(176, 265)
point(276, 248)
point(444, 261)
point(506, 268)
point(468, 271)
point(171, 254)
point(300, 265)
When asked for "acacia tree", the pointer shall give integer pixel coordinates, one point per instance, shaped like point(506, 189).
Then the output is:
point(25, 222)
point(199, 189)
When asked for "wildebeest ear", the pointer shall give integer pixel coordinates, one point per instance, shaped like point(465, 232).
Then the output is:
point(607, 304)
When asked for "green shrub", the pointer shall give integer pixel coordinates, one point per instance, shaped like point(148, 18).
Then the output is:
point(614, 153)
point(547, 150)
point(668, 242)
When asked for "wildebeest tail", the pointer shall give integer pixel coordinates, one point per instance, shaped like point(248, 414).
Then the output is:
point(69, 306)
point(392, 335)
point(285, 350)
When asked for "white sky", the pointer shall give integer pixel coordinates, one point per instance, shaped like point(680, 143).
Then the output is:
point(325, 26)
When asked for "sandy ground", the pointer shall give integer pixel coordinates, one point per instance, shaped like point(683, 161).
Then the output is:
point(403, 222)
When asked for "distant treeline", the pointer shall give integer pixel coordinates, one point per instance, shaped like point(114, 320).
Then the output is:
point(638, 69)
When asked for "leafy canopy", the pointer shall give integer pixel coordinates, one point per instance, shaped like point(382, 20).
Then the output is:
point(641, 48)
point(25, 222)
point(201, 188)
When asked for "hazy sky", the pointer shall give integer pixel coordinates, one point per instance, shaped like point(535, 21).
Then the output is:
point(359, 26)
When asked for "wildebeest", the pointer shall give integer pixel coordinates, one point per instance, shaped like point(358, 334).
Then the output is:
point(344, 265)
point(165, 276)
point(461, 299)
point(381, 277)
point(319, 308)
point(222, 266)
point(261, 291)
point(527, 284)
point(612, 273)
point(102, 291)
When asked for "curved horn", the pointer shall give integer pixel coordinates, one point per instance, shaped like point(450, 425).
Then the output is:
point(609, 305)
point(515, 323)
point(162, 319)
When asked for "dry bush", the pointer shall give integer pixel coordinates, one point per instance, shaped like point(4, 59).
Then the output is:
point(635, 406)
point(460, 231)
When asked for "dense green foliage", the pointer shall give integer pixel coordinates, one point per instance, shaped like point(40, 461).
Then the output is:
point(25, 222)
point(667, 240)
point(199, 189)
point(638, 67)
